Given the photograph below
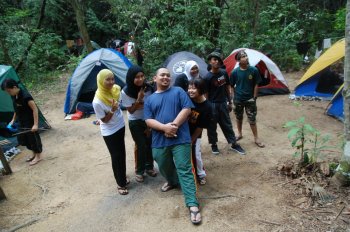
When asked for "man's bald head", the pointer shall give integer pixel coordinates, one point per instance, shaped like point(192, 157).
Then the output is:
point(164, 70)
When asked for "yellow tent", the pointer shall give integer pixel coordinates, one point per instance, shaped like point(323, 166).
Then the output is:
point(333, 54)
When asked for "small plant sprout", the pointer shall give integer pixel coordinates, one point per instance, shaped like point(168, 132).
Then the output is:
point(309, 143)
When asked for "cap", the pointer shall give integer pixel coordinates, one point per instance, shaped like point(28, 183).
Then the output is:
point(217, 55)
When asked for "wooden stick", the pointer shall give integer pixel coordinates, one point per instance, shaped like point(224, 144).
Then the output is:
point(339, 212)
point(41, 128)
point(223, 196)
point(27, 131)
point(22, 132)
point(268, 222)
point(28, 223)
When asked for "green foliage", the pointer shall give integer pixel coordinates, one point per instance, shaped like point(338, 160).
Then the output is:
point(276, 26)
point(17, 43)
point(339, 22)
point(71, 64)
point(162, 28)
point(46, 54)
point(308, 142)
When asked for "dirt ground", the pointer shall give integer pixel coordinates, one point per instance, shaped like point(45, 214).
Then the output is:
point(73, 188)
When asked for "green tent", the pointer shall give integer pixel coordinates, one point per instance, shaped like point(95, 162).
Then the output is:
point(6, 105)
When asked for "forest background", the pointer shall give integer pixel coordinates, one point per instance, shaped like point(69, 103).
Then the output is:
point(33, 33)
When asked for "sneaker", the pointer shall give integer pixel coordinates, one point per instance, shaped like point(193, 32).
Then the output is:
point(214, 149)
point(237, 148)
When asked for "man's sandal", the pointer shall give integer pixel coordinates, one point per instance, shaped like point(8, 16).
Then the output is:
point(151, 173)
point(260, 144)
point(122, 190)
point(30, 159)
point(194, 214)
point(166, 187)
point(139, 178)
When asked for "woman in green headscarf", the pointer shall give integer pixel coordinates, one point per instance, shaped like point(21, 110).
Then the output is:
point(108, 112)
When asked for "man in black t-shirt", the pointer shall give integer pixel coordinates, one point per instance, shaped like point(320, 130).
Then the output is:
point(218, 86)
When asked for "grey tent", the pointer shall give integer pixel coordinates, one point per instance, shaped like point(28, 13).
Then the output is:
point(82, 85)
point(176, 64)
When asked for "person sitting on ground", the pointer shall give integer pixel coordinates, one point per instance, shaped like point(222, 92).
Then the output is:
point(134, 93)
point(200, 115)
point(245, 80)
point(166, 112)
point(112, 126)
point(27, 114)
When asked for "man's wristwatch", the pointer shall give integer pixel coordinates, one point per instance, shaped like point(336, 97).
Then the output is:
point(255, 98)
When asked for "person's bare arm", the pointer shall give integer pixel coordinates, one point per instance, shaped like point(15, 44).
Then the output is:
point(168, 128)
point(13, 118)
point(228, 93)
point(138, 103)
point(136, 106)
point(182, 117)
point(256, 90)
point(110, 113)
point(35, 110)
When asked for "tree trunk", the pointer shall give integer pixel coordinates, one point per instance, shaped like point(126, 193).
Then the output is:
point(79, 9)
point(34, 36)
point(343, 171)
point(216, 23)
point(255, 20)
point(3, 46)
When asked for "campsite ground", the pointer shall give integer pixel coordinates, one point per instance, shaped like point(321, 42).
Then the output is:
point(73, 188)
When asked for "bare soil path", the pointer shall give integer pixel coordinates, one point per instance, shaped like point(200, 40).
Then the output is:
point(73, 188)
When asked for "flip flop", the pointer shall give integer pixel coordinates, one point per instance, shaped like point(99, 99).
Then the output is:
point(260, 144)
point(166, 187)
point(151, 173)
point(34, 162)
point(195, 213)
point(239, 138)
point(139, 178)
point(30, 159)
point(122, 190)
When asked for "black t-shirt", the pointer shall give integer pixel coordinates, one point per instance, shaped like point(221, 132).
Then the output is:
point(216, 86)
point(23, 112)
point(200, 116)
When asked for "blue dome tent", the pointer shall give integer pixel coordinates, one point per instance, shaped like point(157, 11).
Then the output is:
point(336, 106)
point(82, 84)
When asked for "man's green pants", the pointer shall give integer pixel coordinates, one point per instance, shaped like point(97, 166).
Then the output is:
point(174, 164)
